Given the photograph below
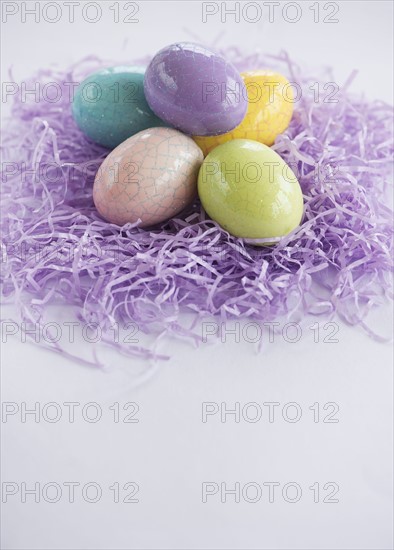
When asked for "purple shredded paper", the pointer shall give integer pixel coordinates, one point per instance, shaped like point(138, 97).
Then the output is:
point(56, 249)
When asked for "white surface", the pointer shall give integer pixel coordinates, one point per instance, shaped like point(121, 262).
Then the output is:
point(170, 452)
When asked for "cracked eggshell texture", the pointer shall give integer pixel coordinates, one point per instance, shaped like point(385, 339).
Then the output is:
point(250, 191)
point(270, 109)
point(195, 90)
point(152, 176)
point(109, 106)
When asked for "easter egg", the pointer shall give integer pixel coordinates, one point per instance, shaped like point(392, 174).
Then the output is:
point(269, 111)
point(110, 106)
point(250, 191)
point(195, 90)
point(151, 176)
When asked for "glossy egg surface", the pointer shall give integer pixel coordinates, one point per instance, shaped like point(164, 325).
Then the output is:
point(151, 176)
point(269, 113)
point(250, 191)
point(110, 106)
point(195, 90)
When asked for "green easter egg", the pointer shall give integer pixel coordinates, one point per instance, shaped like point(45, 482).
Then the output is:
point(250, 191)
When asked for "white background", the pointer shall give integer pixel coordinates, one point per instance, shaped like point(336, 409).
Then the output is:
point(170, 452)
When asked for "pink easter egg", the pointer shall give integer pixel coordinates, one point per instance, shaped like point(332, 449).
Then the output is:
point(151, 176)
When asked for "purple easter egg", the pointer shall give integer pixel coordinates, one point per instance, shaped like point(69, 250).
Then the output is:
point(195, 90)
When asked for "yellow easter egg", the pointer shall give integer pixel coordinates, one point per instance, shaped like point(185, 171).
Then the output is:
point(270, 108)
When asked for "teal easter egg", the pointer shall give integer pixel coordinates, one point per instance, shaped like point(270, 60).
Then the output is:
point(110, 106)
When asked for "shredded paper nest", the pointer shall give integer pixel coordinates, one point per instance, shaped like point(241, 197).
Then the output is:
point(56, 249)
